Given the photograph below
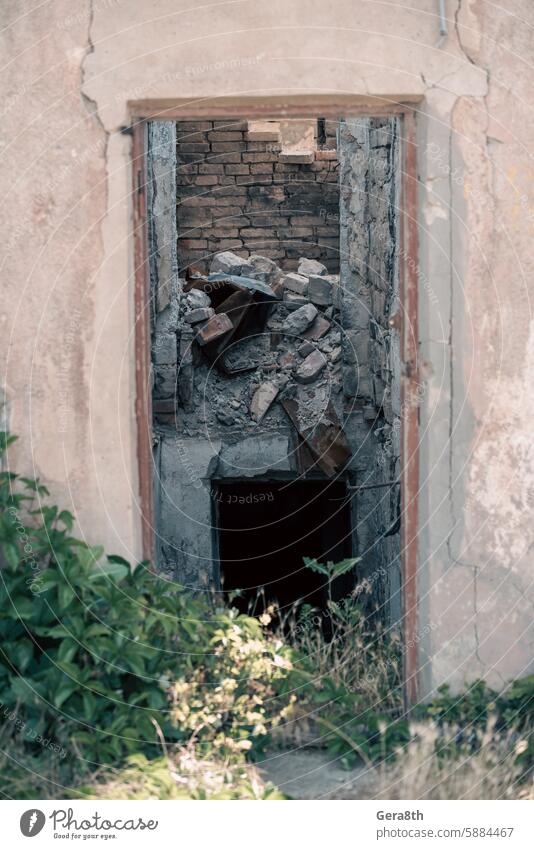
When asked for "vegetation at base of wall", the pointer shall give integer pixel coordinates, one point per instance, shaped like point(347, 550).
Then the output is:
point(101, 660)
point(115, 683)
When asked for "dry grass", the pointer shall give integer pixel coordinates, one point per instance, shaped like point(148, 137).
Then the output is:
point(419, 772)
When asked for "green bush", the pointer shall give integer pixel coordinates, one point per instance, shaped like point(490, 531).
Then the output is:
point(100, 659)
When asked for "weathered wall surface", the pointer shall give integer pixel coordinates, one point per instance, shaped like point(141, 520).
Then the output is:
point(67, 363)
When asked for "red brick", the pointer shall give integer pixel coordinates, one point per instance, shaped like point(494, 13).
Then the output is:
point(193, 147)
point(226, 158)
point(204, 168)
point(237, 169)
point(207, 180)
point(231, 147)
point(261, 168)
point(225, 136)
point(193, 244)
point(260, 157)
point(214, 328)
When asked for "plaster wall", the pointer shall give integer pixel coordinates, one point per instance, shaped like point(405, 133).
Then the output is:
point(66, 316)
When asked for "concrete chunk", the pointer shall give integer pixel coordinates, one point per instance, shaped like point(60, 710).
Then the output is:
point(262, 400)
point(227, 262)
point(300, 320)
point(263, 268)
point(298, 157)
point(295, 283)
point(292, 301)
point(311, 266)
point(320, 290)
point(215, 327)
point(196, 298)
point(263, 131)
point(199, 314)
point(311, 368)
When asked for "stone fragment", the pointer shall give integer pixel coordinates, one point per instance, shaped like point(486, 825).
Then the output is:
point(299, 321)
point(305, 349)
point(320, 290)
point(297, 157)
point(225, 417)
point(335, 355)
point(311, 266)
point(295, 283)
point(318, 329)
point(199, 314)
point(263, 268)
point(293, 301)
point(215, 327)
point(263, 131)
point(195, 299)
point(311, 368)
point(262, 400)
point(164, 349)
point(227, 262)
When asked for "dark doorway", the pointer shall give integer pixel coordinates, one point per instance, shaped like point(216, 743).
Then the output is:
point(266, 529)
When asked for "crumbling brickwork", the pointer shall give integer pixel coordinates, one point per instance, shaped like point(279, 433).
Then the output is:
point(235, 193)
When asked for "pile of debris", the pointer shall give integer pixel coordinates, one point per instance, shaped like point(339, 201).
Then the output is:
point(260, 345)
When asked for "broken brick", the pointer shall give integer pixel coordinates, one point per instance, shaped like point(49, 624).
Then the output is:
point(319, 328)
point(262, 400)
point(311, 368)
point(214, 328)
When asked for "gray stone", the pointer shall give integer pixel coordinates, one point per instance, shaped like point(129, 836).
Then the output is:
point(262, 400)
point(200, 314)
point(305, 349)
point(311, 266)
point(311, 368)
point(164, 349)
point(263, 269)
point(300, 320)
point(320, 290)
point(195, 298)
point(293, 301)
point(295, 283)
point(228, 262)
point(226, 417)
point(335, 355)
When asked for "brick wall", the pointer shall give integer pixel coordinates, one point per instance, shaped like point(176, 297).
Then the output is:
point(236, 194)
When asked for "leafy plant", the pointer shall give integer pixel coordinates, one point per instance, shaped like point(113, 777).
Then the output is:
point(331, 570)
point(99, 657)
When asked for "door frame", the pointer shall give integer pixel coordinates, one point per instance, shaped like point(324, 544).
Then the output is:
point(308, 106)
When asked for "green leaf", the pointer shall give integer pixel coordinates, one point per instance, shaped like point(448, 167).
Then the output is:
point(11, 554)
point(65, 596)
point(65, 690)
point(115, 571)
point(89, 705)
point(67, 650)
point(66, 518)
point(22, 654)
point(21, 607)
point(315, 566)
point(344, 566)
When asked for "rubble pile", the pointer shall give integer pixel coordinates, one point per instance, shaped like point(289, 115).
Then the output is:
point(252, 337)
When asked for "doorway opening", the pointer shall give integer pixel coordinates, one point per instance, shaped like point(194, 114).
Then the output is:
point(198, 429)
point(266, 529)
